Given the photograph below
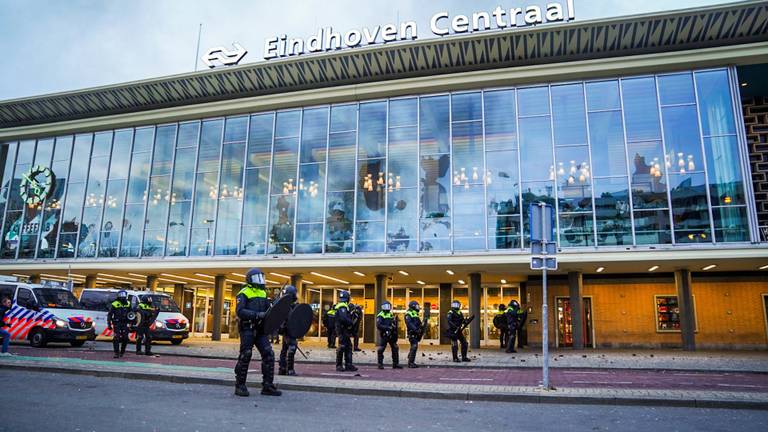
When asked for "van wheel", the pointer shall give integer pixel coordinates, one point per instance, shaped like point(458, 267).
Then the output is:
point(37, 338)
point(77, 344)
point(177, 341)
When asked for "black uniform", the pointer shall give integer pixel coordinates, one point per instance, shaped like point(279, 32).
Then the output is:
point(343, 320)
point(117, 320)
point(500, 322)
point(415, 330)
point(522, 317)
point(455, 321)
point(252, 305)
point(512, 324)
point(386, 323)
point(148, 317)
point(357, 317)
point(288, 351)
point(330, 326)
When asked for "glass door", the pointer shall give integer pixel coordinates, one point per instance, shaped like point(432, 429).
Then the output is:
point(313, 299)
point(565, 329)
point(493, 296)
point(201, 315)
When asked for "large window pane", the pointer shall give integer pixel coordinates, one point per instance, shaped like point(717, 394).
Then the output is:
point(503, 200)
point(576, 230)
point(230, 199)
point(311, 193)
point(402, 220)
point(647, 169)
point(533, 101)
point(536, 149)
point(612, 211)
point(403, 158)
point(256, 195)
point(371, 190)
point(210, 146)
point(165, 142)
point(468, 217)
point(682, 139)
point(373, 130)
point(573, 178)
point(715, 103)
point(341, 162)
point(641, 112)
point(338, 224)
point(133, 228)
point(113, 217)
point(189, 135)
point(281, 216)
point(652, 227)
point(204, 213)
point(676, 89)
point(569, 114)
point(178, 227)
point(606, 135)
point(466, 107)
point(314, 135)
point(435, 212)
point(730, 224)
point(690, 211)
point(235, 129)
point(343, 118)
point(434, 129)
point(402, 112)
point(260, 140)
point(500, 123)
point(725, 180)
point(603, 95)
point(535, 192)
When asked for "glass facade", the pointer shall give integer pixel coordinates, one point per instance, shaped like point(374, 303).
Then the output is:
point(648, 160)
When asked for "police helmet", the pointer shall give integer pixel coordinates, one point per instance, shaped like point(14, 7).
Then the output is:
point(455, 304)
point(147, 299)
point(502, 307)
point(290, 291)
point(122, 295)
point(344, 296)
point(414, 305)
point(514, 304)
point(386, 306)
point(254, 277)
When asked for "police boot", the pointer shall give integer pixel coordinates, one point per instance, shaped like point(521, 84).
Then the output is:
point(396, 360)
point(291, 372)
point(464, 357)
point(380, 357)
point(241, 390)
point(282, 371)
point(269, 389)
point(455, 352)
point(350, 368)
point(511, 345)
point(339, 358)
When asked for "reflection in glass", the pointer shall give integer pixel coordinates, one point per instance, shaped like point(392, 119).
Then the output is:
point(434, 130)
point(435, 214)
point(603, 96)
point(466, 107)
point(338, 222)
point(402, 221)
point(715, 103)
point(576, 230)
point(647, 167)
point(341, 161)
point(612, 212)
point(314, 135)
point(725, 180)
point(533, 101)
point(343, 118)
point(369, 236)
point(731, 224)
point(682, 140)
point(500, 125)
point(373, 130)
point(402, 112)
point(255, 210)
point(281, 214)
point(536, 149)
point(535, 192)
point(676, 89)
point(652, 227)
point(468, 217)
point(503, 200)
point(690, 212)
point(606, 135)
point(235, 129)
point(260, 140)
point(230, 198)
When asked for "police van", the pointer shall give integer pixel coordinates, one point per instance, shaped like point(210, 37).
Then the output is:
point(170, 324)
point(46, 313)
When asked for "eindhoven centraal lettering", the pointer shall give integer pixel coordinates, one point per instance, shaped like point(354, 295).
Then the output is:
point(440, 24)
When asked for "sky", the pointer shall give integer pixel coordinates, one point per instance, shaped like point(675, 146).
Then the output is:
point(53, 46)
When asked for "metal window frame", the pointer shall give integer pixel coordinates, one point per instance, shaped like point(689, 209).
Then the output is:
point(704, 159)
point(85, 194)
point(107, 181)
point(212, 241)
point(269, 182)
point(149, 186)
point(10, 186)
point(125, 191)
point(219, 198)
point(666, 168)
point(44, 203)
point(24, 205)
point(628, 176)
point(146, 194)
point(243, 184)
point(194, 183)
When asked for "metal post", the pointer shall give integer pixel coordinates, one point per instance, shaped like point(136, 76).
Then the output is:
point(544, 307)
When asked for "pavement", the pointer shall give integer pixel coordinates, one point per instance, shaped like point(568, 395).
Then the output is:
point(715, 380)
point(89, 403)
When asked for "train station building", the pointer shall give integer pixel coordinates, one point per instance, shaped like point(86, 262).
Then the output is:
point(405, 171)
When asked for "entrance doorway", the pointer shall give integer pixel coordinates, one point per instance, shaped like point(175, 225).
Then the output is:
point(564, 335)
point(493, 296)
point(401, 296)
point(321, 299)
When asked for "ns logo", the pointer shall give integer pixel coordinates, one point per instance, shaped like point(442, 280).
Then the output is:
point(223, 56)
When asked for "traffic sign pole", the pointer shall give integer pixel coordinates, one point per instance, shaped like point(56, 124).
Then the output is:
point(544, 308)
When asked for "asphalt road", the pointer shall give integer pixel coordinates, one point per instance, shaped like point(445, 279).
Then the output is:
point(561, 377)
point(35, 401)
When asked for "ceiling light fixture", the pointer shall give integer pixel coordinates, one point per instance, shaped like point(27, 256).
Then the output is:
point(461, 282)
point(279, 275)
point(765, 267)
point(269, 282)
point(654, 268)
point(420, 282)
point(171, 280)
point(19, 275)
point(359, 274)
point(239, 275)
point(450, 272)
point(113, 280)
point(503, 281)
point(330, 278)
point(404, 273)
point(53, 275)
point(307, 282)
point(600, 269)
point(709, 267)
point(136, 274)
point(205, 276)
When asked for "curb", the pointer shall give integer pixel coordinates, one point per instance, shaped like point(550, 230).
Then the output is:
point(371, 390)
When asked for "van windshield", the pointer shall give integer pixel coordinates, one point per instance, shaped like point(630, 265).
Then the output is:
point(163, 303)
point(97, 300)
point(56, 298)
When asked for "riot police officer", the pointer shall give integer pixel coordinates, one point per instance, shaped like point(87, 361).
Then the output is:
point(290, 344)
point(522, 317)
point(500, 322)
point(344, 331)
point(455, 333)
point(512, 323)
point(117, 321)
point(357, 317)
point(330, 326)
point(415, 331)
point(148, 316)
point(386, 323)
point(252, 306)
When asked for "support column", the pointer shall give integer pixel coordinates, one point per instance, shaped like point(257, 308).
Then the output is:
point(178, 295)
point(445, 306)
point(234, 321)
point(685, 304)
point(380, 296)
point(475, 294)
point(575, 285)
point(297, 280)
point(369, 323)
point(90, 281)
point(152, 282)
point(218, 306)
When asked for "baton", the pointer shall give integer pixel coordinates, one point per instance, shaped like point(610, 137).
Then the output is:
point(302, 352)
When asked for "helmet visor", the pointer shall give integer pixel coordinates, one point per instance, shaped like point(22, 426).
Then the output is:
point(456, 304)
point(386, 307)
point(257, 278)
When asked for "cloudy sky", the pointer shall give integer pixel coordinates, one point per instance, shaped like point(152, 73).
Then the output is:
point(52, 46)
